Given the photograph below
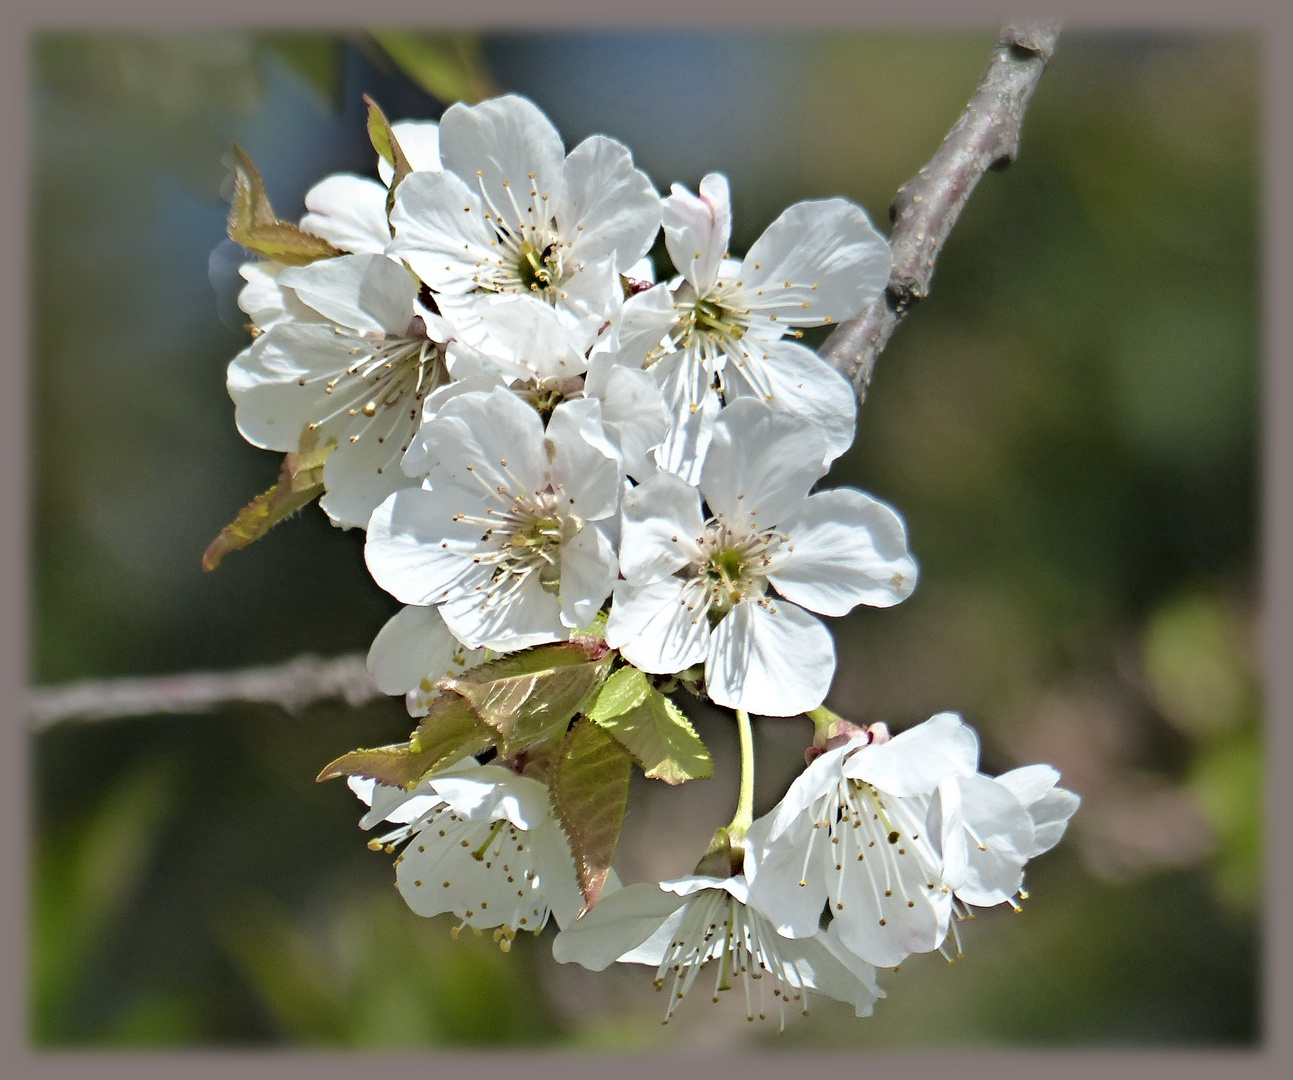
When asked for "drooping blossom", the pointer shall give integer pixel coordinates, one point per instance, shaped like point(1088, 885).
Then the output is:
point(696, 924)
point(479, 841)
point(850, 836)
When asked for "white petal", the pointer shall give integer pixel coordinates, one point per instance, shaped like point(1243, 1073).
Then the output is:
point(615, 927)
point(473, 435)
point(1000, 837)
point(914, 761)
point(640, 328)
point(886, 899)
point(794, 380)
point(849, 549)
point(418, 553)
point(440, 231)
point(524, 338)
point(392, 803)
point(529, 616)
point(586, 473)
point(506, 146)
point(1049, 806)
point(420, 142)
point(359, 476)
point(697, 230)
point(786, 886)
point(418, 460)
point(770, 658)
point(492, 793)
point(349, 212)
point(272, 408)
point(662, 523)
point(634, 417)
point(610, 207)
point(265, 301)
point(658, 627)
point(760, 464)
point(556, 870)
point(834, 971)
point(833, 259)
point(693, 407)
point(364, 292)
point(414, 645)
point(588, 573)
point(821, 776)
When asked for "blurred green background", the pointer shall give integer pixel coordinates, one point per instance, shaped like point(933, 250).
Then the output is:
point(1068, 424)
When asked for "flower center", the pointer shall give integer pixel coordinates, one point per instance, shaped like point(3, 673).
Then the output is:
point(538, 269)
point(522, 540)
point(735, 565)
point(712, 318)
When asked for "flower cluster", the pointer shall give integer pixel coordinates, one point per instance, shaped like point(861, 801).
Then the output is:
point(590, 490)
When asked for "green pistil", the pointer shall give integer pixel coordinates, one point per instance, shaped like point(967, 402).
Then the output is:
point(710, 316)
point(479, 853)
point(534, 269)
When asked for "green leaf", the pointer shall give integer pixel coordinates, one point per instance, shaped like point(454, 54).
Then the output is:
point(449, 67)
point(300, 481)
point(589, 788)
point(448, 733)
point(254, 225)
point(387, 146)
point(624, 690)
point(531, 695)
point(660, 738)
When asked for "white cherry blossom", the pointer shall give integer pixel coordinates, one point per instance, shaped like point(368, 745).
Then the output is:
point(686, 926)
point(851, 835)
point(479, 841)
point(696, 587)
point(512, 212)
point(508, 534)
point(721, 331)
point(354, 372)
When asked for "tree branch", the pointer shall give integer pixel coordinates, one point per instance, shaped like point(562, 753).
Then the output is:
point(926, 207)
point(293, 685)
point(923, 213)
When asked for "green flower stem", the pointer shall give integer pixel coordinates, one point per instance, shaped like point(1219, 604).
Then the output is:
point(823, 720)
point(745, 803)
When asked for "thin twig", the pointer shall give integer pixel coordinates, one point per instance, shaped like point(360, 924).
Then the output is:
point(302, 681)
point(924, 211)
point(926, 207)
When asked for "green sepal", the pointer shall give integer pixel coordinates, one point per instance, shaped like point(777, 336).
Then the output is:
point(721, 859)
point(448, 733)
point(532, 695)
point(659, 737)
point(625, 689)
point(588, 785)
point(254, 225)
point(300, 481)
point(388, 148)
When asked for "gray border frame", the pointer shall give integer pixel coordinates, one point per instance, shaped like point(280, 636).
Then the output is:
point(1276, 25)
